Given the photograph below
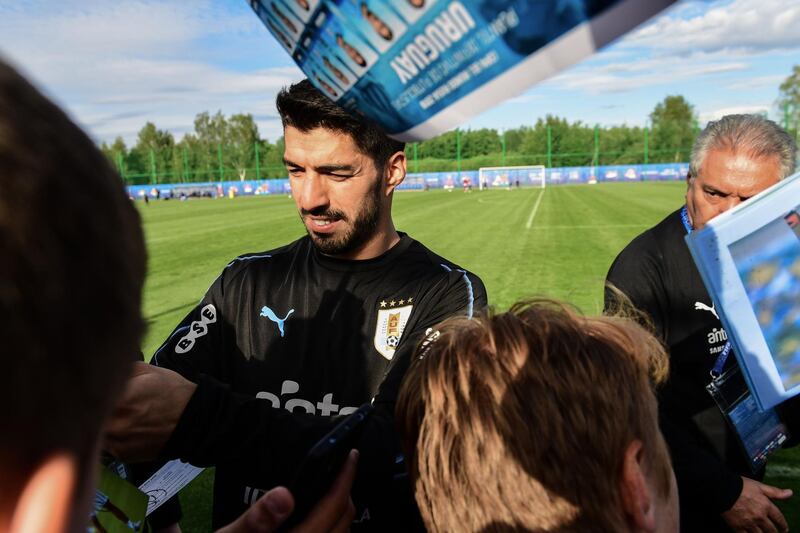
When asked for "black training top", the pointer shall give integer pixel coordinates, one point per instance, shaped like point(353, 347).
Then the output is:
point(657, 273)
point(284, 340)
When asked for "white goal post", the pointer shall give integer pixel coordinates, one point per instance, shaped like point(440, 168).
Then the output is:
point(509, 177)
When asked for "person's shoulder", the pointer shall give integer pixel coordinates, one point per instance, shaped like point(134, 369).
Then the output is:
point(646, 256)
point(447, 271)
point(258, 260)
point(670, 228)
point(435, 262)
point(652, 241)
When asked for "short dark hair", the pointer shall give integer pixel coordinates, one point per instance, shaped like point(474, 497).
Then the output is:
point(303, 107)
point(519, 421)
point(72, 264)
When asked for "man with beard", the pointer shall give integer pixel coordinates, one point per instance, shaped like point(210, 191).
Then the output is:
point(286, 339)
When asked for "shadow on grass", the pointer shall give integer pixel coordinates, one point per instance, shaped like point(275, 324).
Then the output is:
point(196, 500)
point(783, 470)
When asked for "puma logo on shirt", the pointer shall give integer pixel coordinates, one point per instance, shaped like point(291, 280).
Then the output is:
point(270, 314)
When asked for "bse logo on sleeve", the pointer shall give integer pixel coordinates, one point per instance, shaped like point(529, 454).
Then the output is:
point(198, 328)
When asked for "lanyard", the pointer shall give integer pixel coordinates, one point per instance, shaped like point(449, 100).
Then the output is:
point(726, 351)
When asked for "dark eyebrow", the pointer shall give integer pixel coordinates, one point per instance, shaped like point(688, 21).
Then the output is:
point(328, 169)
point(709, 188)
point(322, 169)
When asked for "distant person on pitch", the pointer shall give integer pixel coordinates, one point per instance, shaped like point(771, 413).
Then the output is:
point(733, 159)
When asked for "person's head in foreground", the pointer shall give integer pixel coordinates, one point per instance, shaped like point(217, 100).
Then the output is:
point(343, 171)
point(734, 158)
point(72, 263)
point(538, 419)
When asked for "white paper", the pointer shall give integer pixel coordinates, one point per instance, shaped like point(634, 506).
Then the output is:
point(166, 483)
point(754, 234)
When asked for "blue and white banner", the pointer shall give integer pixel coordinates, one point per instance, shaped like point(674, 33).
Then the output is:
point(421, 67)
point(427, 180)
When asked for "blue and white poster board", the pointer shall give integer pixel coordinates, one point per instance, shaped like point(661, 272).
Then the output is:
point(421, 67)
point(749, 259)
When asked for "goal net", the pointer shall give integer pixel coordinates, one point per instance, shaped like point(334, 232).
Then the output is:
point(509, 177)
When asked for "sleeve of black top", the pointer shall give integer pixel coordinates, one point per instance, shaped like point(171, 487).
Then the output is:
point(220, 426)
point(701, 476)
point(196, 346)
point(638, 276)
point(464, 295)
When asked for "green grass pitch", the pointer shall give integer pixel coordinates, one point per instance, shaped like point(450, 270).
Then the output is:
point(558, 243)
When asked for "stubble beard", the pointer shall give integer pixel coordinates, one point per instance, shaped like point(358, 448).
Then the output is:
point(361, 231)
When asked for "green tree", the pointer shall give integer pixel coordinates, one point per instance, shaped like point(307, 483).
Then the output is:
point(117, 154)
point(480, 142)
point(241, 136)
point(440, 147)
point(156, 148)
point(789, 101)
point(109, 153)
point(271, 156)
point(674, 124)
point(188, 151)
point(210, 133)
point(515, 137)
point(621, 145)
point(571, 144)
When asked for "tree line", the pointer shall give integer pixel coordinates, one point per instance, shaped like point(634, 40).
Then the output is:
point(230, 148)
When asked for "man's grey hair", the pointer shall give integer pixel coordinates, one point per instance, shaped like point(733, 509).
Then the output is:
point(755, 135)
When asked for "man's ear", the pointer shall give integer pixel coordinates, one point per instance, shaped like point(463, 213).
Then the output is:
point(395, 171)
point(635, 493)
point(45, 504)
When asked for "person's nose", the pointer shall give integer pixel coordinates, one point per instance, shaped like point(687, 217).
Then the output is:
point(314, 193)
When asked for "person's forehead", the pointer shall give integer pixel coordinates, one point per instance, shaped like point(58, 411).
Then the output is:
point(320, 146)
point(739, 171)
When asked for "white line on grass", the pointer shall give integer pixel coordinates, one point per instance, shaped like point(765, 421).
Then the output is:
point(784, 471)
point(593, 226)
point(535, 209)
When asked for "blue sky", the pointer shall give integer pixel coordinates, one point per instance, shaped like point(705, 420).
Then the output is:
point(116, 64)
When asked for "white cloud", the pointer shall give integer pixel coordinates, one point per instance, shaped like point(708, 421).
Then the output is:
point(715, 114)
point(759, 25)
point(637, 73)
point(115, 65)
point(693, 40)
point(525, 98)
point(757, 82)
point(122, 27)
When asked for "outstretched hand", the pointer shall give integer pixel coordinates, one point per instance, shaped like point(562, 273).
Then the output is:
point(754, 510)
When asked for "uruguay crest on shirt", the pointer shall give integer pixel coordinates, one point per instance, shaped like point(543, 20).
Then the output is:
point(390, 325)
